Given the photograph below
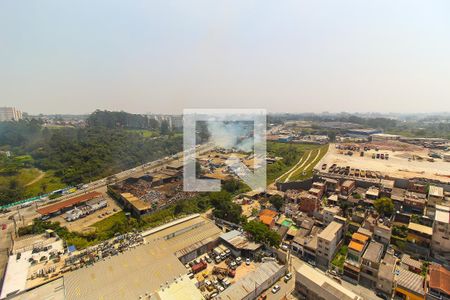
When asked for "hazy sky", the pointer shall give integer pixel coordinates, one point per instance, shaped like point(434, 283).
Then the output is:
point(162, 56)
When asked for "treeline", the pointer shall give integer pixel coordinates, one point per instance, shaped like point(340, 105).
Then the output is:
point(84, 154)
point(77, 155)
point(121, 119)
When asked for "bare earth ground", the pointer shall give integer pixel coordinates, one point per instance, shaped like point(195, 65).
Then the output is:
point(398, 164)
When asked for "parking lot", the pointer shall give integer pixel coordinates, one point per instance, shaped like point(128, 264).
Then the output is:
point(213, 277)
point(83, 224)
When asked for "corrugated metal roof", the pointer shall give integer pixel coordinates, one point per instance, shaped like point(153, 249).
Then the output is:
point(420, 228)
point(410, 281)
point(68, 203)
point(247, 284)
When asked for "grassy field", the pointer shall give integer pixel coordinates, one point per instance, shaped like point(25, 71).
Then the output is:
point(46, 184)
point(107, 223)
point(307, 170)
point(47, 181)
point(291, 153)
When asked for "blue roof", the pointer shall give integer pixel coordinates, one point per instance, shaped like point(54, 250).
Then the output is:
point(71, 248)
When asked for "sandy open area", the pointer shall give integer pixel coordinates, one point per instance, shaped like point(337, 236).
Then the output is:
point(400, 164)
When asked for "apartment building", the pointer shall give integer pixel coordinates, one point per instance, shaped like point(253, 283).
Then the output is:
point(385, 280)
point(309, 203)
point(329, 213)
point(10, 114)
point(440, 242)
point(370, 264)
point(435, 197)
point(348, 187)
point(327, 242)
point(356, 248)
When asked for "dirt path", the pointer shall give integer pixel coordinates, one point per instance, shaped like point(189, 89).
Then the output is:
point(301, 160)
point(298, 167)
point(41, 175)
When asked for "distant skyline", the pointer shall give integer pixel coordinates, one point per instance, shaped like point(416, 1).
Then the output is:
point(285, 56)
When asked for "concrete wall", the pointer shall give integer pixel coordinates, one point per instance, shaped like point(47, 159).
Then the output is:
point(295, 185)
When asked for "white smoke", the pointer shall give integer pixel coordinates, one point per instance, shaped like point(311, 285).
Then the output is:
point(231, 135)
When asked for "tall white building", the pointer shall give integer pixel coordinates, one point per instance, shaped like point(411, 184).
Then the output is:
point(10, 114)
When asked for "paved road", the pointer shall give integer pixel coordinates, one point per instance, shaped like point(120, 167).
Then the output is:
point(286, 289)
point(365, 293)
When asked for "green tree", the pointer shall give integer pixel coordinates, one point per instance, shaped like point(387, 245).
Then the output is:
point(384, 206)
point(277, 201)
point(261, 233)
point(224, 208)
point(165, 129)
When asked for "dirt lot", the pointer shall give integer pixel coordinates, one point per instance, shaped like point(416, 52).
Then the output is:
point(401, 164)
point(84, 223)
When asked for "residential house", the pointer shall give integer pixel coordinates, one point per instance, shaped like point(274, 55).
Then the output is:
point(370, 264)
point(438, 283)
point(440, 245)
point(327, 243)
point(356, 248)
point(408, 285)
point(435, 196)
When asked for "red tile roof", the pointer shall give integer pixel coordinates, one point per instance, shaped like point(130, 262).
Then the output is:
point(439, 278)
point(68, 203)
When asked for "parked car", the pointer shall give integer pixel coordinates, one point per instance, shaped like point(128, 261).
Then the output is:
point(239, 261)
point(247, 261)
point(287, 277)
point(276, 289)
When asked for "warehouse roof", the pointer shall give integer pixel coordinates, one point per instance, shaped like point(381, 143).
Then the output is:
point(136, 202)
point(53, 290)
point(143, 269)
point(127, 275)
point(242, 288)
point(239, 241)
point(68, 203)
